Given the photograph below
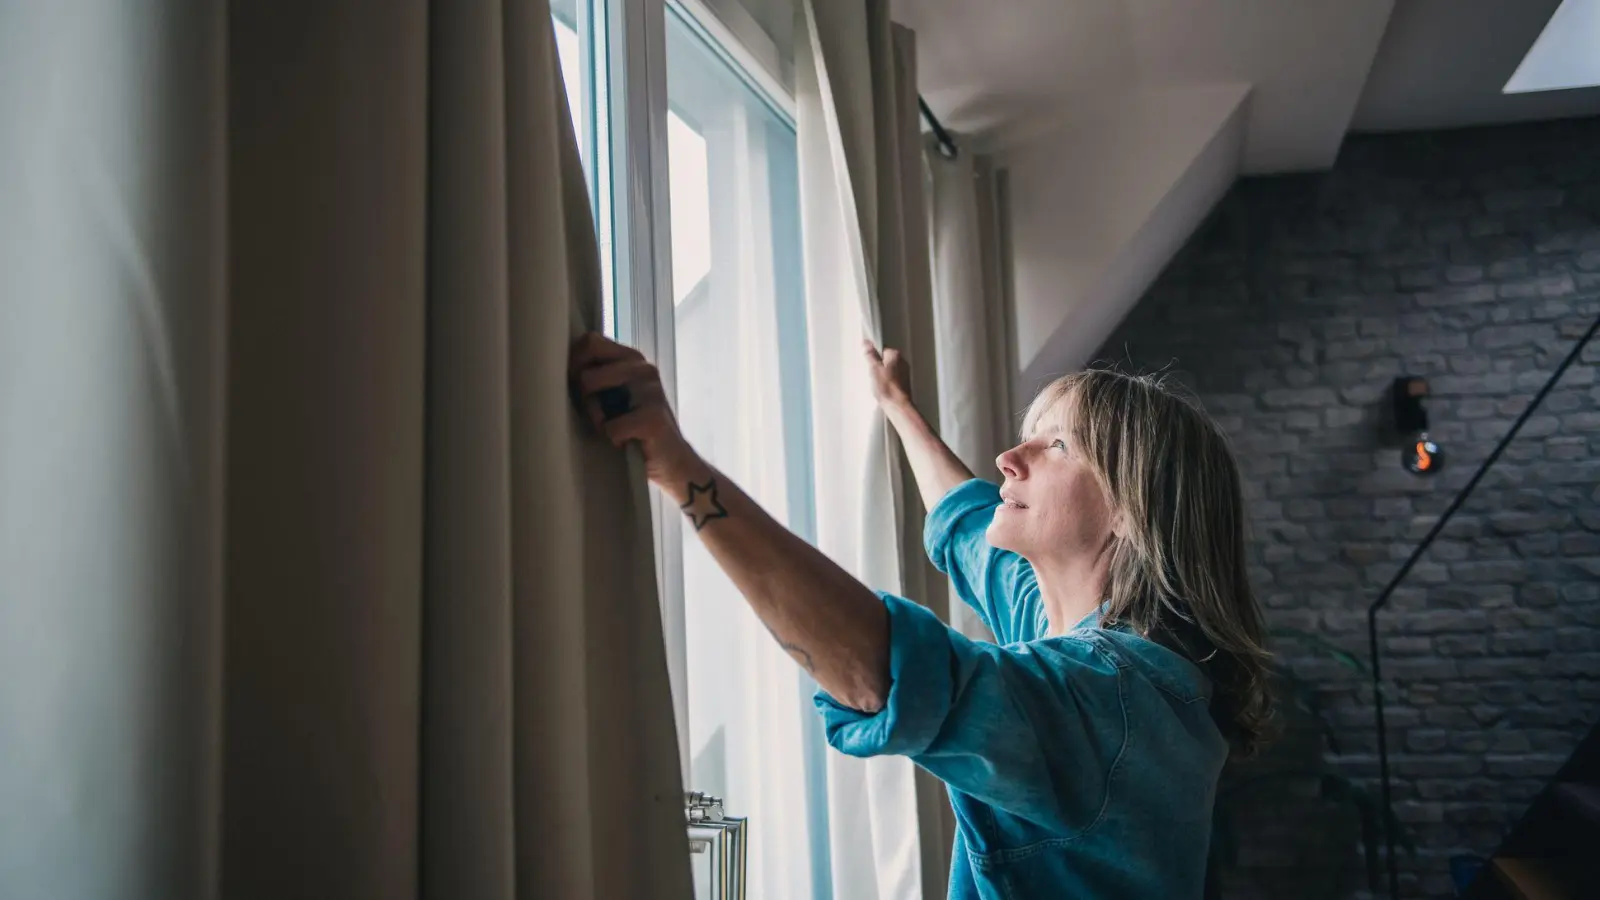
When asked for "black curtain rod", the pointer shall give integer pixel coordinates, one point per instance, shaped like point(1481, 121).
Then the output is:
point(947, 144)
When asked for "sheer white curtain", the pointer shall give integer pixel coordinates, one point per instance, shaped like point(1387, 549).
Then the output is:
point(314, 584)
point(746, 715)
point(977, 412)
point(867, 274)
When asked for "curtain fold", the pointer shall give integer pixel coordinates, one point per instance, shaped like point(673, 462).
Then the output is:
point(867, 274)
point(316, 585)
point(976, 413)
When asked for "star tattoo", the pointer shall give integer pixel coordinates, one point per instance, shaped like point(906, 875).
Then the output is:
point(703, 506)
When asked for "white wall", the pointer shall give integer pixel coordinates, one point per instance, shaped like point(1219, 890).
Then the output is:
point(112, 263)
point(1100, 205)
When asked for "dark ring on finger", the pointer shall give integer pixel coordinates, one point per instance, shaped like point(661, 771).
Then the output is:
point(614, 401)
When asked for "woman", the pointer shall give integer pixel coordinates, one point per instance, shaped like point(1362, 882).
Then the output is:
point(1082, 751)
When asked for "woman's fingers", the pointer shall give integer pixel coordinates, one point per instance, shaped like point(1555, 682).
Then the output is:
point(616, 374)
point(639, 425)
point(888, 356)
point(639, 379)
point(608, 377)
point(610, 389)
point(888, 371)
point(593, 349)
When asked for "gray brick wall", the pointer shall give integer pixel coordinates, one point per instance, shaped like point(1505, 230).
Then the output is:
point(1471, 258)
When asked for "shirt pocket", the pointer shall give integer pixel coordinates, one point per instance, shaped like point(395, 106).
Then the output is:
point(1037, 870)
point(995, 837)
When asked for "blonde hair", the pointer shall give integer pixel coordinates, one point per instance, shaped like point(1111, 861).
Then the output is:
point(1178, 573)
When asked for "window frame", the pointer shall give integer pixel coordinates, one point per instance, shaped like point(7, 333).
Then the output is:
point(623, 98)
point(630, 141)
point(642, 247)
point(642, 259)
point(758, 71)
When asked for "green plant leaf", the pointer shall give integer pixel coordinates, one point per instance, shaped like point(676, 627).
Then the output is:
point(1304, 696)
point(1239, 786)
point(1388, 822)
point(1374, 818)
point(1339, 787)
point(1345, 657)
point(1224, 838)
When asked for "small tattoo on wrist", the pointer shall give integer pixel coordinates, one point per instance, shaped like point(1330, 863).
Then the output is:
point(703, 505)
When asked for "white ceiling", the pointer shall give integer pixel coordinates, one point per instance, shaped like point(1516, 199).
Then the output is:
point(1316, 68)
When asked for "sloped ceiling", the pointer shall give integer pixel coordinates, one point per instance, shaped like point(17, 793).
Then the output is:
point(1316, 69)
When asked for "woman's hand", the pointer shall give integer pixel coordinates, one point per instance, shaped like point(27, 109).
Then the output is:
point(936, 469)
point(827, 620)
point(604, 373)
point(890, 375)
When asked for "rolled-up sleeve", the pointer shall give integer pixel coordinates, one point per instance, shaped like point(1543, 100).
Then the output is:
point(998, 584)
point(1031, 729)
point(921, 682)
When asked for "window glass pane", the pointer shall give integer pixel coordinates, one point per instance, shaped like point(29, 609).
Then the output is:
point(567, 47)
point(690, 188)
point(572, 70)
point(580, 27)
point(743, 400)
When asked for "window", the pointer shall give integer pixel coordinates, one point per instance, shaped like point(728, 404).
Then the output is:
point(581, 31)
point(696, 185)
point(689, 186)
point(1563, 56)
point(744, 401)
point(572, 69)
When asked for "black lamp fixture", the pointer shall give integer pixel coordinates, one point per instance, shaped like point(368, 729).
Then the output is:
point(1420, 454)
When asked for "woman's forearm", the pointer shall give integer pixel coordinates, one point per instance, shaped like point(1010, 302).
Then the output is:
point(831, 624)
point(937, 469)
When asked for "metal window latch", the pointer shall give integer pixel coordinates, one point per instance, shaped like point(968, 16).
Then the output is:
point(719, 844)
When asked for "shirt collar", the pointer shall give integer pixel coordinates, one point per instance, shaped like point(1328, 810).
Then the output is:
point(1092, 620)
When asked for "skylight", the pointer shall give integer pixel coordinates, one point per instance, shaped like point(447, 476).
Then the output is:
point(1566, 54)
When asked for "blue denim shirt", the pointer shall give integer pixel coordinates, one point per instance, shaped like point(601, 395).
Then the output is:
point(1082, 765)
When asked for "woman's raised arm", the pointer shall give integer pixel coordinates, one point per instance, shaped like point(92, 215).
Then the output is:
point(937, 469)
point(831, 624)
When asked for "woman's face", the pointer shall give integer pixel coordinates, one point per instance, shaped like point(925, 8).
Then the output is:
point(1055, 508)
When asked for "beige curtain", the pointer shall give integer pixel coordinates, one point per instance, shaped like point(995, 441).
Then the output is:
point(313, 585)
point(867, 274)
point(978, 415)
